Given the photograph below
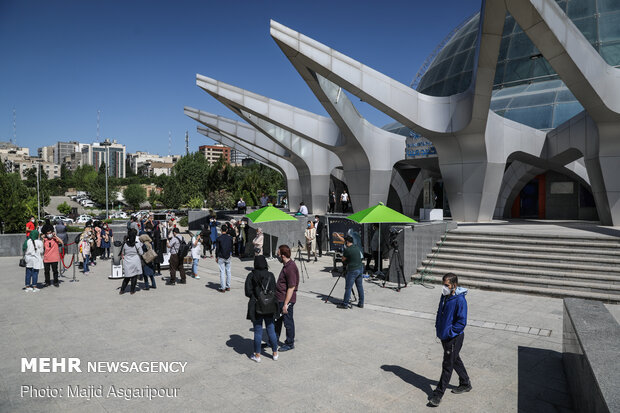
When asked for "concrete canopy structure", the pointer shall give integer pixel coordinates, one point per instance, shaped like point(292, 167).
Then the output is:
point(473, 143)
point(350, 137)
point(314, 163)
point(248, 138)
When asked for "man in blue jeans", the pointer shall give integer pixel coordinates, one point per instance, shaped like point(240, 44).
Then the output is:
point(352, 257)
point(223, 251)
point(286, 294)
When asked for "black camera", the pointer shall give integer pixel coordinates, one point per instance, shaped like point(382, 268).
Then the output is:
point(393, 240)
point(299, 244)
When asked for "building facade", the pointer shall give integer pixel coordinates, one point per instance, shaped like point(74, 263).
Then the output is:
point(148, 163)
point(213, 152)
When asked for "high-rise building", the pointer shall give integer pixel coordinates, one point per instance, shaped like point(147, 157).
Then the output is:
point(213, 152)
point(47, 153)
point(64, 149)
point(95, 155)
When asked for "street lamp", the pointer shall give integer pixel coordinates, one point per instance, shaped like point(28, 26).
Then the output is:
point(107, 145)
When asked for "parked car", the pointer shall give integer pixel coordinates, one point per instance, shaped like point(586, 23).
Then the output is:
point(83, 219)
point(118, 215)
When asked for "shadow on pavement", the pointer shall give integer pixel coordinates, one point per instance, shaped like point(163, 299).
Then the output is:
point(212, 285)
point(542, 383)
point(240, 345)
point(412, 378)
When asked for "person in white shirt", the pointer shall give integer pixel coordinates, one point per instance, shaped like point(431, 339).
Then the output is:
point(33, 254)
point(303, 209)
point(344, 200)
point(196, 249)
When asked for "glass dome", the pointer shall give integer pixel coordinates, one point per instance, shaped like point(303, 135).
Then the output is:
point(526, 88)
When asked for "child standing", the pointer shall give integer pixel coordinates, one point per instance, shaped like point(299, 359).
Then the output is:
point(450, 325)
point(196, 249)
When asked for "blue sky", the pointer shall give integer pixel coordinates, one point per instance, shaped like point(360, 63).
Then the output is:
point(136, 61)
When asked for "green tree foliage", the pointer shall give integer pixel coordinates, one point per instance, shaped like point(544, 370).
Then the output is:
point(195, 202)
point(134, 195)
point(16, 203)
point(64, 208)
point(84, 177)
point(45, 190)
point(221, 199)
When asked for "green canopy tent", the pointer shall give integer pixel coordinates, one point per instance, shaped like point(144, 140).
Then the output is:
point(269, 214)
point(380, 214)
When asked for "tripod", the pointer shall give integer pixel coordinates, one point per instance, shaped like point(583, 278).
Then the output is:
point(395, 260)
point(344, 271)
point(302, 264)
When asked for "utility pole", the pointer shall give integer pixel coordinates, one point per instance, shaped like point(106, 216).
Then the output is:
point(98, 116)
point(38, 197)
point(107, 144)
point(186, 143)
point(169, 141)
point(14, 142)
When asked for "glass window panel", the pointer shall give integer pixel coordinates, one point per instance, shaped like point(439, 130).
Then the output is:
point(611, 53)
point(443, 69)
point(587, 26)
point(465, 81)
point(541, 68)
point(565, 96)
point(509, 25)
point(503, 48)
point(552, 84)
point(497, 104)
point(499, 74)
point(608, 5)
point(520, 46)
point(517, 70)
point(565, 111)
point(537, 117)
point(533, 100)
point(510, 91)
point(609, 27)
point(501, 112)
point(458, 63)
point(469, 41)
point(562, 5)
point(450, 85)
point(580, 8)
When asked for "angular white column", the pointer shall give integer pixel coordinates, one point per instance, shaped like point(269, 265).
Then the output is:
point(473, 143)
point(593, 82)
point(256, 139)
point(293, 187)
point(367, 175)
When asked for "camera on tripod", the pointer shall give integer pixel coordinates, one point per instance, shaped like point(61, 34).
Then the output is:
point(299, 244)
point(393, 239)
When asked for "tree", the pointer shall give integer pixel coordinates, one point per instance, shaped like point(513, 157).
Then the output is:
point(64, 208)
point(195, 202)
point(134, 195)
point(84, 177)
point(221, 199)
point(97, 190)
point(171, 197)
point(16, 203)
point(189, 178)
point(44, 185)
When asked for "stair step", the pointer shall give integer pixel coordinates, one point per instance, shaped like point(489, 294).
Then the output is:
point(539, 249)
point(528, 263)
point(587, 285)
point(525, 272)
point(612, 244)
point(530, 235)
point(568, 256)
point(528, 289)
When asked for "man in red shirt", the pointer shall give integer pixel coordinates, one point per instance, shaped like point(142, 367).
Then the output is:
point(29, 226)
point(51, 257)
point(286, 294)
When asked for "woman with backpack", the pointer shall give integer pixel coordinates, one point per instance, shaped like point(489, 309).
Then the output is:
point(33, 254)
point(260, 288)
point(148, 268)
point(132, 266)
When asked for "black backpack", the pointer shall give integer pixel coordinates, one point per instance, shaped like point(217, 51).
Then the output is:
point(184, 248)
point(266, 300)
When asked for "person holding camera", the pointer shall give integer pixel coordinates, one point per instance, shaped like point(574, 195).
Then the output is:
point(450, 325)
point(352, 257)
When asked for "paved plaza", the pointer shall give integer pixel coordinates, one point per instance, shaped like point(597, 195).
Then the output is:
point(384, 357)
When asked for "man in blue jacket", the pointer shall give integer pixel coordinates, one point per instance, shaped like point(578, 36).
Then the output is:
point(450, 324)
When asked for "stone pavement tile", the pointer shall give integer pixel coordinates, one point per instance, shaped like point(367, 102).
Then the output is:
point(511, 327)
point(523, 329)
point(534, 331)
point(545, 333)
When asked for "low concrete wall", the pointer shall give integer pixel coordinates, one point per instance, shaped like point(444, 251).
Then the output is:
point(416, 243)
point(591, 344)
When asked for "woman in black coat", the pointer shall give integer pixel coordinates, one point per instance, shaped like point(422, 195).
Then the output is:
point(261, 282)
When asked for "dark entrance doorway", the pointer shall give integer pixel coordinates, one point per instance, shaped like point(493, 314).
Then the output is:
point(529, 200)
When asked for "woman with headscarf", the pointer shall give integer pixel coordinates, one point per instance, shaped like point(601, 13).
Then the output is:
point(107, 237)
point(258, 242)
point(132, 265)
point(148, 268)
point(310, 235)
point(260, 283)
point(33, 254)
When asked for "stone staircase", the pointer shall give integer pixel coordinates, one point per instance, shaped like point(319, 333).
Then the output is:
point(551, 265)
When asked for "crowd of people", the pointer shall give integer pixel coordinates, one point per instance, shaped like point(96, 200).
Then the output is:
point(271, 301)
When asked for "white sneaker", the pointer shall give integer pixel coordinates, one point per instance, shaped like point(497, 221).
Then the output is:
point(28, 289)
point(275, 356)
point(35, 290)
point(256, 359)
point(197, 277)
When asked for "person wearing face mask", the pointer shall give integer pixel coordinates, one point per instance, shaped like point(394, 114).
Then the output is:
point(450, 325)
point(107, 237)
point(85, 248)
point(310, 235)
point(30, 226)
point(51, 256)
point(213, 233)
point(319, 234)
